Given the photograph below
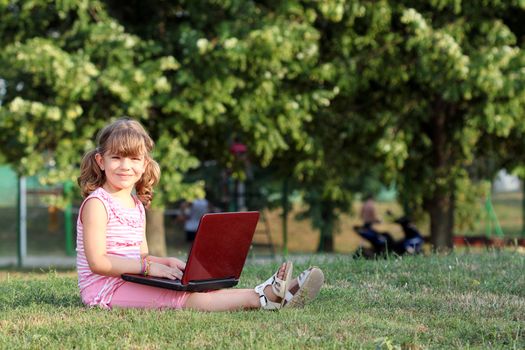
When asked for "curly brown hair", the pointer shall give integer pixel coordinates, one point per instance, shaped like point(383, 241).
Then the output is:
point(124, 137)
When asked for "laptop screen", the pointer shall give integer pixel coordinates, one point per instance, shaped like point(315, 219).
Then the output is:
point(221, 246)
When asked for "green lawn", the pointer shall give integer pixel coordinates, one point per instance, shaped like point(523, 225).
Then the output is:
point(455, 301)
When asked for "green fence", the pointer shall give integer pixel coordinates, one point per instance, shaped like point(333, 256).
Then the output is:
point(46, 224)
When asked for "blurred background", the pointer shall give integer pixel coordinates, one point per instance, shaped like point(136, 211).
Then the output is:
point(297, 109)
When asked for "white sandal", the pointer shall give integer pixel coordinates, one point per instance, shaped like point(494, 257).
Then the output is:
point(310, 282)
point(279, 288)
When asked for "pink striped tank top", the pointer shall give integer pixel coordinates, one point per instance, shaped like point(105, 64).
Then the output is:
point(124, 234)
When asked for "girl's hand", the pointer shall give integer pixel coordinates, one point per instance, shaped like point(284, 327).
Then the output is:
point(165, 271)
point(176, 263)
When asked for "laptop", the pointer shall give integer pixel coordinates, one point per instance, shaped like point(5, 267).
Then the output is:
point(217, 256)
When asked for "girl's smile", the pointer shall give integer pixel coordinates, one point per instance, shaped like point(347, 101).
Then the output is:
point(122, 172)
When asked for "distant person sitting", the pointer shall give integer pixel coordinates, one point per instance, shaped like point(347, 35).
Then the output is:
point(192, 212)
point(368, 212)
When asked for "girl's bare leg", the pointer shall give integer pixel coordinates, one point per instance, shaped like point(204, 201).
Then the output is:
point(230, 299)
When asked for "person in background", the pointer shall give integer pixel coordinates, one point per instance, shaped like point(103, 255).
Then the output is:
point(369, 216)
point(192, 213)
point(368, 212)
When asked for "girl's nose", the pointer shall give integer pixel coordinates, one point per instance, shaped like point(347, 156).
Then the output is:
point(126, 163)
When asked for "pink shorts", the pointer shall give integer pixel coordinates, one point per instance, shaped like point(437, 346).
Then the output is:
point(134, 295)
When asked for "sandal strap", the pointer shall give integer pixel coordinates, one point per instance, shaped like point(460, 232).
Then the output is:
point(260, 288)
point(267, 304)
point(288, 296)
point(309, 284)
point(278, 286)
point(303, 276)
point(300, 280)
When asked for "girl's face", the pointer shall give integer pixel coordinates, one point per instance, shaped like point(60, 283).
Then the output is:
point(122, 172)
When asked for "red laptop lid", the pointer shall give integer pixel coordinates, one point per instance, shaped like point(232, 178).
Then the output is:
point(221, 246)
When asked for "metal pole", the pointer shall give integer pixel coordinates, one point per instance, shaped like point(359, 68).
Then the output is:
point(232, 197)
point(68, 219)
point(493, 218)
point(22, 221)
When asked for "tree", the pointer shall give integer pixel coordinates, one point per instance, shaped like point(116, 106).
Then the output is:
point(324, 92)
point(68, 68)
point(248, 69)
point(401, 88)
point(424, 83)
point(465, 75)
point(194, 75)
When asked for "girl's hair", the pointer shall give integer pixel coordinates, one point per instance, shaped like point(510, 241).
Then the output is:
point(124, 137)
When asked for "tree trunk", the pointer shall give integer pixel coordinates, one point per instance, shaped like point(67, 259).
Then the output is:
point(155, 233)
point(441, 213)
point(326, 244)
point(326, 241)
point(441, 205)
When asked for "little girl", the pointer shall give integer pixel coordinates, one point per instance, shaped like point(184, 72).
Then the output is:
point(111, 237)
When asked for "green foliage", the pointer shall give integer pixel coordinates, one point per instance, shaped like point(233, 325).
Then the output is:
point(469, 199)
point(453, 301)
point(321, 92)
point(456, 86)
point(67, 72)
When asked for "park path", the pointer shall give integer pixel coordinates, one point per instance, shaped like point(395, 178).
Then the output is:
point(63, 262)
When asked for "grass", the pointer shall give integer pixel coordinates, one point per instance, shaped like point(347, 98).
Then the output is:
point(470, 301)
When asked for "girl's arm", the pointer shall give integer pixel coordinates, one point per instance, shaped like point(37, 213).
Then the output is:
point(94, 221)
